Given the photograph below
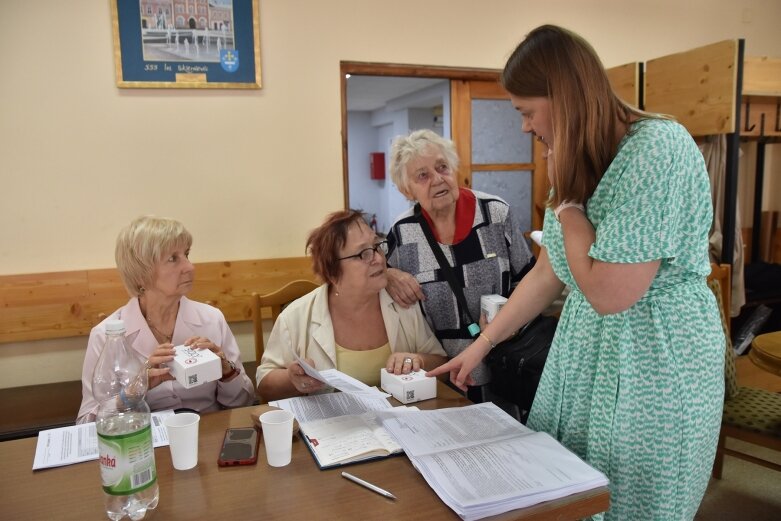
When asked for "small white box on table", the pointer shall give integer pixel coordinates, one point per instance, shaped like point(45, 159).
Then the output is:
point(410, 387)
point(193, 367)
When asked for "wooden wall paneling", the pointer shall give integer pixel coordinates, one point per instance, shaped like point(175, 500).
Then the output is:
point(697, 87)
point(229, 285)
point(106, 293)
point(55, 299)
point(63, 304)
point(625, 80)
point(762, 76)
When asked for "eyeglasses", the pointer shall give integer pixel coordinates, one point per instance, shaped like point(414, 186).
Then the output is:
point(367, 254)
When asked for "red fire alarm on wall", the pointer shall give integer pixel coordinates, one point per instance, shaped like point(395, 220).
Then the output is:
point(377, 165)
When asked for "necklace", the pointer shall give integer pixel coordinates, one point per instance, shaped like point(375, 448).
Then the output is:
point(167, 338)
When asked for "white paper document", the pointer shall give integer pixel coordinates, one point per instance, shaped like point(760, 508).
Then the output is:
point(330, 405)
point(77, 443)
point(455, 428)
point(339, 380)
point(481, 462)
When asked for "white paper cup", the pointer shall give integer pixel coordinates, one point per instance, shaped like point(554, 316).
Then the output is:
point(277, 436)
point(183, 439)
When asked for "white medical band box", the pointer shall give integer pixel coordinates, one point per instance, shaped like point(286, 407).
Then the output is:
point(192, 367)
point(410, 387)
point(490, 305)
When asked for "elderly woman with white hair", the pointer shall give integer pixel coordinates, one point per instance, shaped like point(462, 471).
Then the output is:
point(152, 256)
point(473, 230)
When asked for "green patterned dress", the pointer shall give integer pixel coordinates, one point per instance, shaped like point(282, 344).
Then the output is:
point(639, 394)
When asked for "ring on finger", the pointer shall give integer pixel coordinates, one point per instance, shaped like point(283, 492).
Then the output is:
point(408, 360)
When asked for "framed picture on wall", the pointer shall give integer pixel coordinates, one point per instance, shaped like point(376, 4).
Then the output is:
point(186, 44)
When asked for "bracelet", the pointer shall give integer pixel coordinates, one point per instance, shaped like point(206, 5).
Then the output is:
point(490, 343)
point(565, 205)
point(234, 370)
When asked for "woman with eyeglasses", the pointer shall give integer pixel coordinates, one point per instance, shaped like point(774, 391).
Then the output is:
point(474, 232)
point(349, 323)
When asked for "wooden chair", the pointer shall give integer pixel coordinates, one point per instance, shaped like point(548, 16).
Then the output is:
point(276, 301)
point(750, 415)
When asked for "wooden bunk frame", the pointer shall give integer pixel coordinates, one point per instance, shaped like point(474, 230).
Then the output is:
point(716, 90)
point(708, 90)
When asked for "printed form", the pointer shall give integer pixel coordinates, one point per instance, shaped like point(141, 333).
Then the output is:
point(77, 443)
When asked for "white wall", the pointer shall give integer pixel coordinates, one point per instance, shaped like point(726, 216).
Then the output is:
point(422, 118)
point(394, 119)
point(78, 161)
point(365, 193)
point(67, 134)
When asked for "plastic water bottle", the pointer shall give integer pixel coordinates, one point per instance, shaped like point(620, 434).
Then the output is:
point(127, 457)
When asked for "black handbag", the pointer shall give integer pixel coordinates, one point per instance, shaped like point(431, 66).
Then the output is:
point(517, 363)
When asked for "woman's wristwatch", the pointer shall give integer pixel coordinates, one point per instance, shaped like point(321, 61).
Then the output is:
point(234, 371)
point(565, 205)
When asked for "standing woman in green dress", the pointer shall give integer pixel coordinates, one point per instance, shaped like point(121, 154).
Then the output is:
point(634, 380)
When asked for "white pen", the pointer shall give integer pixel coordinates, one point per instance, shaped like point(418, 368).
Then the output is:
point(368, 485)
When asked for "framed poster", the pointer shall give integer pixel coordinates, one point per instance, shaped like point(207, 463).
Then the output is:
point(190, 44)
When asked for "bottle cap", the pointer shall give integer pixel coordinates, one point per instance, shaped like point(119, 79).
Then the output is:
point(115, 326)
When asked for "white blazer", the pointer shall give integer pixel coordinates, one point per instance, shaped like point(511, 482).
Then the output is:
point(305, 327)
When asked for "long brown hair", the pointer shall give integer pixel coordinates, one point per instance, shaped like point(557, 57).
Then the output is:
point(586, 114)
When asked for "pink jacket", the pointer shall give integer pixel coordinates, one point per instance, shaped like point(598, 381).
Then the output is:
point(193, 319)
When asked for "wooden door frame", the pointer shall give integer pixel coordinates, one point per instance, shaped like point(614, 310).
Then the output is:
point(395, 69)
point(462, 93)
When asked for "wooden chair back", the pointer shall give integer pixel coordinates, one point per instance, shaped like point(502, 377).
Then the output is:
point(750, 415)
point(275, 300)
point(723, 274)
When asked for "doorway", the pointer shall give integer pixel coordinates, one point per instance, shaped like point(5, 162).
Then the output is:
point(381, 101)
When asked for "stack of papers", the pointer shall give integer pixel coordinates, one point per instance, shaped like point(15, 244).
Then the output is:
point(481, 462)
point(330, 405)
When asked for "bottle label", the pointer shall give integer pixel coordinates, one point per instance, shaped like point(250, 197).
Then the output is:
point(127, 462)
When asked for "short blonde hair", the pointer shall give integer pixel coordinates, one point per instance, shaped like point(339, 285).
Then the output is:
point(141, 245)
point(406, 148)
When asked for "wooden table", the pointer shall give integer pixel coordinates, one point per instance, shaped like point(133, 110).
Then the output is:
point(297, 491)
point(766, 352)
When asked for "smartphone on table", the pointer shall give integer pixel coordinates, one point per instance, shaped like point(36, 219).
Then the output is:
point(239, 447)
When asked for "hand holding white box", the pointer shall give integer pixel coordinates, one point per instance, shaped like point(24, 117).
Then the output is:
point(192, 367)
point(410, 387)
